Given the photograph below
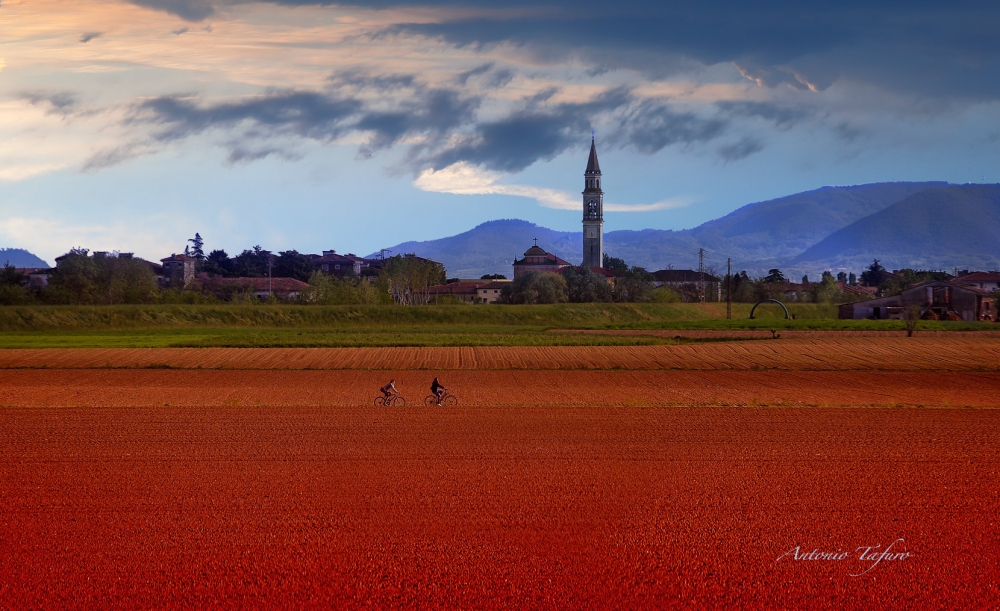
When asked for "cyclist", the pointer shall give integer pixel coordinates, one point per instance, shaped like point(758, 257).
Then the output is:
point(438, 390)
point(389, 390)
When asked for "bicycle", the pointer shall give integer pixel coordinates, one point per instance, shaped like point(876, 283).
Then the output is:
point(446, 399)
point(392, 401)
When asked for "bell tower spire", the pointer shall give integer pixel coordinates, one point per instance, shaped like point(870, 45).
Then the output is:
point(593, 211)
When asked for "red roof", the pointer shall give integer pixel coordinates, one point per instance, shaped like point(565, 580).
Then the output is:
point(980, 277)
point(280, 285)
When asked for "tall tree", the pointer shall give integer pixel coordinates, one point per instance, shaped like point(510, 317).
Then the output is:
point(774, 276)
point(292, 264)
point(535, 287)
point(197, 245)
point(614, 264)
point(218, 262)
point(252, 263)
point(875, 274)
point(409, 278)
point(584, 286)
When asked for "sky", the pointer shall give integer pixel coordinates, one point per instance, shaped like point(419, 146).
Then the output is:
point(315, 125)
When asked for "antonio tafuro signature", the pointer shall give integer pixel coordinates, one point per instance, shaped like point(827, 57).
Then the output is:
point(873, 554)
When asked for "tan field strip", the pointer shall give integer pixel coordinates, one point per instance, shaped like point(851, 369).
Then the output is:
point(813, 353)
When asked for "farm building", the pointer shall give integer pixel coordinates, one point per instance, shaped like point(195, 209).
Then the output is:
point(937, 300)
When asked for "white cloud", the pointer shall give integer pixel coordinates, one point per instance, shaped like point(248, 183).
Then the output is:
point(466, 179)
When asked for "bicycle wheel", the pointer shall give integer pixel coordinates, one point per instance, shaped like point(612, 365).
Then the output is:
point(379, 401)
point(451, 400)
point(430, 400)
point(398, 401)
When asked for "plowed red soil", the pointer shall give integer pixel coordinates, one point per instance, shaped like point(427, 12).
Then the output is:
point(488, 389)
point(497, 508)
point(661, 477)
point(821, 352)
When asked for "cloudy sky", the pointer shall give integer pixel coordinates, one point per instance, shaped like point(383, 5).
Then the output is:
point(312, 125)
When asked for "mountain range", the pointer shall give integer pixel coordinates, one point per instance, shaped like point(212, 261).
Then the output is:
point(923, 225)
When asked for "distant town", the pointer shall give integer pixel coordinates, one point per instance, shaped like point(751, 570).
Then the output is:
point(330, 278)
point(538, 277)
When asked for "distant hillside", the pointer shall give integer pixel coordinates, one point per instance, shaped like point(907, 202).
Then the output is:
point(765, 234)
point(756, 236)
point(942, 227)
point(18, 257)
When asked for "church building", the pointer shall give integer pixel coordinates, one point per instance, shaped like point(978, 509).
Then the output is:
point(593, 213)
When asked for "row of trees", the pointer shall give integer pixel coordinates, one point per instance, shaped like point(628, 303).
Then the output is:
point(109, 279)
point(251, 263)
point(82, 279)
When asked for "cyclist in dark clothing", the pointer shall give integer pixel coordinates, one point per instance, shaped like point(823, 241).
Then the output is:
point(438, 390)
point(389, 390)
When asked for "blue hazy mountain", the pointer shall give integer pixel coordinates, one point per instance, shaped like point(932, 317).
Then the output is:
point(756, 236)
point(938, 228)
point(18, 257)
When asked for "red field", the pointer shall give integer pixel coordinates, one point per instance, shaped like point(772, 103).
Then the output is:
point(628, 489)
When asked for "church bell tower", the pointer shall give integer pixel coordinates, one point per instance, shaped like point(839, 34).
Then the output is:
point(593, 212)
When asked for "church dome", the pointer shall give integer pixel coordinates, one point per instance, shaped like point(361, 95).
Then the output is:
point(535, 251)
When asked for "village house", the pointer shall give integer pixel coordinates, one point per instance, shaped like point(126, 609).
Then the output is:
point(35, 278)
point(349, 265)
point(941, 300)
point(989, 281)
point(178, 271)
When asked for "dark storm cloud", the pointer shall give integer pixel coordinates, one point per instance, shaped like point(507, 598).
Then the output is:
point(319, 116)
point(540, 132)
point(927, 47)
point(443, 124)
point(651, 126)
point(306, 114)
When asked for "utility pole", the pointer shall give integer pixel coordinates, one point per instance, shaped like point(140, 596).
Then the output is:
point(701, 270)
point(729, 288)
